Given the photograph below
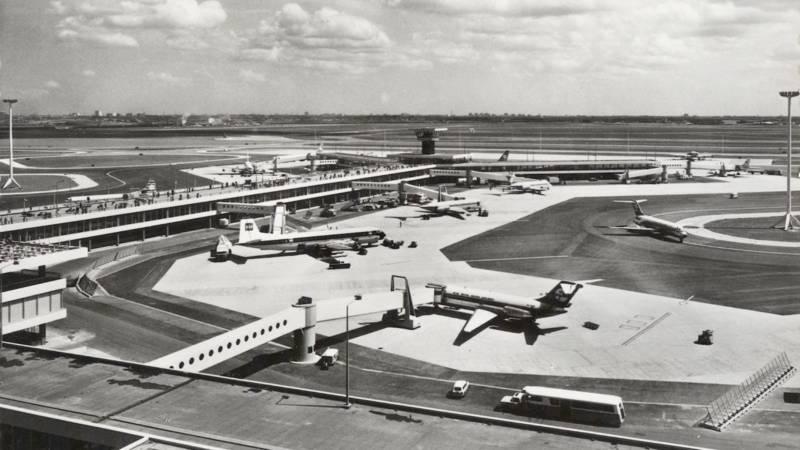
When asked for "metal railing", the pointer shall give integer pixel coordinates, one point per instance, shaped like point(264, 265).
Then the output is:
point(740, 399)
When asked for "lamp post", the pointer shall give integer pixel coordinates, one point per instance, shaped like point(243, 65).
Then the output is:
point(55, 204)
point(10, 181)
point(789, 222)
point(347, 403)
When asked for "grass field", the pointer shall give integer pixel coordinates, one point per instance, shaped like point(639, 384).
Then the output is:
point(34, 183)
point(754, 228)
point(143, 159)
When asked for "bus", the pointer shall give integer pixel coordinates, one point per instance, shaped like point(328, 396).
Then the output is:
point(577, 406)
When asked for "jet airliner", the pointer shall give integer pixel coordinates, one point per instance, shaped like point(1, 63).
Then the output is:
point(643, 223)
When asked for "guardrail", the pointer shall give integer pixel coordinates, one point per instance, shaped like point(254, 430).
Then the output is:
point(492, 420)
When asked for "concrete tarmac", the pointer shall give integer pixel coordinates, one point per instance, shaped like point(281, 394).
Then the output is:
point(631, 323)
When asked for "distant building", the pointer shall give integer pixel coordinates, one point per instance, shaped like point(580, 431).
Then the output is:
point(98, 113)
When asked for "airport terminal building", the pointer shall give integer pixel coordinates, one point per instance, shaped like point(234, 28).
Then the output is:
point(137, 223)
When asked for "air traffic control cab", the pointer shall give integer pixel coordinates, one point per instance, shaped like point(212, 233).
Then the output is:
point(428, 137)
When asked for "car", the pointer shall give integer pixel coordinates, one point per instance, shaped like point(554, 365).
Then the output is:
point(512, 402)
point(459, 389)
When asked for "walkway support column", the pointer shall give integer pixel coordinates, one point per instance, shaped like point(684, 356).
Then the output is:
point(306, 338)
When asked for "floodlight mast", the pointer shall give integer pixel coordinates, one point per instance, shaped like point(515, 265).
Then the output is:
point(11, 181)
point(789, 222)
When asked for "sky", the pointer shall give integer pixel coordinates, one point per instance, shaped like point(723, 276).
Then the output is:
point(552, 57)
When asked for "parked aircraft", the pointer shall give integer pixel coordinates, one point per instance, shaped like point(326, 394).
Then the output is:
point(655, 175)
point(314, 242)
point(693, 155)
point(248, 168)
point(643, 223)
point(490, 306)
point(458, 208)
point(524, 185)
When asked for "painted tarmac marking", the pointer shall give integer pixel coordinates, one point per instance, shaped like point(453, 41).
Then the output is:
point(719, 247)
point(516, 259)
point(647, 328)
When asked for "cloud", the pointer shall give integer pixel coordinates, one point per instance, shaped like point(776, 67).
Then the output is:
point(114, 23)
point(508, 8)
point(325, 39)
point(88, 73)
point(52, 84)
point(165, 77)
point(98, 36)
point(252, 76)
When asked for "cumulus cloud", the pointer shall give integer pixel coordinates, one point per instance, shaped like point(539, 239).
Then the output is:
point(88, 73)
point(252, 76)
point(114, 23)
point(165, 77)
point(323, 39)
point(511, 8)
point(52, 84)
point(97, 36)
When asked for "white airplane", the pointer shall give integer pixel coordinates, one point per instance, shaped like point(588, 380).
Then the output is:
point(453, 208)
point(248, 168)
point(527, 185)
point(313, 242)
point(490, 306)
point(651, 225)
point(458, 208)
point(693, 155)
point(654, 175)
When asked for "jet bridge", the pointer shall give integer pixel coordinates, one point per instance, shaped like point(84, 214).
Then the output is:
point(299, 319)
point(402, 188)
point(469, 174)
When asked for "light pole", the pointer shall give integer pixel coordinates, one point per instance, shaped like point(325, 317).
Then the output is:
point(55, 204)
point(10, 181)
point(347, 403)
point(789, 222)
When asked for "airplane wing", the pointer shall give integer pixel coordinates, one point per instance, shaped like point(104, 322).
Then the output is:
point(636, 229)
point(456, 212)
point(338, 244)
point(478, 319)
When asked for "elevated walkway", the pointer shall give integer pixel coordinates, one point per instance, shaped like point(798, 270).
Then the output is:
point(299, 319)
point(401, 187)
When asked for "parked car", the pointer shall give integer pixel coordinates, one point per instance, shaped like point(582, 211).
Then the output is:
point(459, 389)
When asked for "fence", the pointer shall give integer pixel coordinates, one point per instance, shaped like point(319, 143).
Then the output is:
point(115, 256)
point(740, 399)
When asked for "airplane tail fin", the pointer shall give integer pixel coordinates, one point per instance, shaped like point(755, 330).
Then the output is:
point(248, 231)
point(278, 225)
point(637, 208)
point(561, 295)
point(503, 157)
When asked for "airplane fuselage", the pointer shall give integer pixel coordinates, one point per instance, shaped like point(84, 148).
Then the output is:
point(505, 306)
point(305, 239)
point(661, 226)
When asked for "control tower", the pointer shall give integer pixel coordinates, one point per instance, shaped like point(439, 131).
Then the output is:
point(428, 137)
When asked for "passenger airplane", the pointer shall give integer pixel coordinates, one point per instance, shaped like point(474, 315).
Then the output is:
point(452, 208)
point(693, 155)
point(651, 225)
point(438, 208)
point(655, 175)
point(314, 242)
point(523, 185)
point(489, 306)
